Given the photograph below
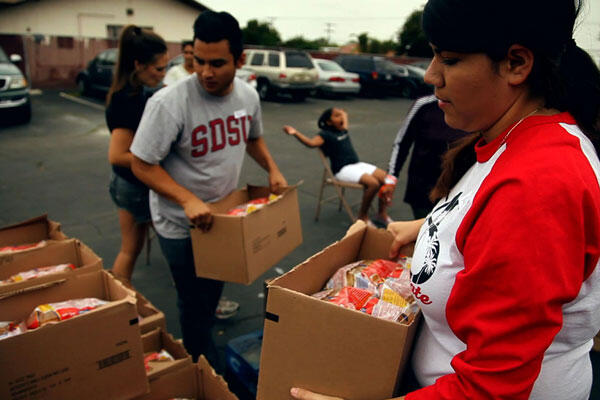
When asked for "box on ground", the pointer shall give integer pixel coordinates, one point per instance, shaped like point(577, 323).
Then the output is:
point(31, 231)
point(157, 340)
point(194, 381)
point(243, 359)
point(241, 248)
point(325, 348)
point(70, 251)
point(96, 355)
point(150, 316)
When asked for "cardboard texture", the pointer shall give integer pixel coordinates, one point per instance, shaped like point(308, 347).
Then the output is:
point(194, 381)
point(150, 316)
point(85, 357)
point(157, 340)
point(240, 249)
point(31, 231)
point(70, 251)
point(325, 348)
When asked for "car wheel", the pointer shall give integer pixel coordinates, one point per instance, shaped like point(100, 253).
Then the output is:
point(82, 86)
point(299, 96)
point(24, 115)
point(263, 89)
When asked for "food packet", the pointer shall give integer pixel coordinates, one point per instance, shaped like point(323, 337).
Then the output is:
point(21, 247)
point(364, 274)
point(386, 191)
point(60, 311)
point(38, 272)
point(160, 356)
point(11, 328)
point(252, 205)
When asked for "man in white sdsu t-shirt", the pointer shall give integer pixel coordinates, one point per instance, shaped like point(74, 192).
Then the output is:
point(189, 150)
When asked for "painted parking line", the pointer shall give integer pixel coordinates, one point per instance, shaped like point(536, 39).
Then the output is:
point(81, 101)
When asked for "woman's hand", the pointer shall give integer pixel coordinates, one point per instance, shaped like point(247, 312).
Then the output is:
point(290, 130)
point(404, 233)
point(303, 394)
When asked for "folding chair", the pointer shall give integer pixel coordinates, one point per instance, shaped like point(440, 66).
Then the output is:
point(339, 186)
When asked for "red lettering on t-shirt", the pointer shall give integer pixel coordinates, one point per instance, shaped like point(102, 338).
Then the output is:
point(244, 129)
point(199, 141)
point(217, 132)
point(418, 295)
point(233, 132)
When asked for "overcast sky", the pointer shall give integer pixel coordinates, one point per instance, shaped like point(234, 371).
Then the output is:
point(381, 19)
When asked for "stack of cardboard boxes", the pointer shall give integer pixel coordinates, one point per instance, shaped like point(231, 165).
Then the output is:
point(98, 354)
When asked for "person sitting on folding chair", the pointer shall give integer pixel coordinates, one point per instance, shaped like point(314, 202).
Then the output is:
point(334, 141)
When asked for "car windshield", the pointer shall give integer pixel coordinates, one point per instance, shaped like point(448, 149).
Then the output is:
point(295, 59)
point(3, 57)
point(330, 66)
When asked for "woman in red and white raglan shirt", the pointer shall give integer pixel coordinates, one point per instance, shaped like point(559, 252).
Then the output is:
point(505, 267)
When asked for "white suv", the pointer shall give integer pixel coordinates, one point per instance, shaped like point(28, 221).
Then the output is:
point(282, 71)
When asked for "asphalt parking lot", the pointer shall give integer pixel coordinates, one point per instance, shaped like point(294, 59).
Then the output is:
point(57, 164)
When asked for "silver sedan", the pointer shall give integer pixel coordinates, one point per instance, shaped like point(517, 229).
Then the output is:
point(333, 79)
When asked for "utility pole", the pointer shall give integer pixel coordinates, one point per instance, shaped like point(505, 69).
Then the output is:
point(329, 29)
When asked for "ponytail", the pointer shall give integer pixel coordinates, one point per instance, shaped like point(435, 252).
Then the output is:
point(322, 123)
point(135, 44)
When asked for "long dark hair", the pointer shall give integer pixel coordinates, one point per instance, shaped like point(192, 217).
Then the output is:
point(323, 120)
point(135, 44)
point(563, 74)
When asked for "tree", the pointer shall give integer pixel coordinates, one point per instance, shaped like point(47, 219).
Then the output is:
point(261, 33)
point(299, 42)
point(363, 42)
point(412, 39)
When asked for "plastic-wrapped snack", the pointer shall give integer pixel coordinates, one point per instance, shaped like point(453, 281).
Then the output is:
point(350, 297)
point(252, 205)
point(160, 356)
point(21, 247)
point(386, 191)
point(10, 328)
point(38, 272)
point(364, 274)
point(62, 310)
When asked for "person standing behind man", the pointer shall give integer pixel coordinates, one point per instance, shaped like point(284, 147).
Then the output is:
point(424, 126)
point(189, 149)
point(185, 69)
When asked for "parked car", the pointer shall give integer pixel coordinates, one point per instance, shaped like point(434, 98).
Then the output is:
point(242, 73)
point(333, 79)
point(97, 76)
point(412, 81)
point(282, 71)
point(14, 90)
point(375, 72)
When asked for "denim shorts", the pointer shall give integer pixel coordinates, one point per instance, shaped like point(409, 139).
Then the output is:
point(130, 197)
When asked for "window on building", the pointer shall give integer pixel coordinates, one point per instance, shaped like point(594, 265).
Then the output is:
point(65, 42)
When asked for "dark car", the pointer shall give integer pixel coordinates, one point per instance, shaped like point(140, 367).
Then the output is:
point(97, 76)
point(377, 77)
point(14, 90)
point(411, 81)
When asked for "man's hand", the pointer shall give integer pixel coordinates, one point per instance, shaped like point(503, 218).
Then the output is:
point(303, 394)
point(277, 182)
point(199, 213)
point(290, 130)
point(404, 233)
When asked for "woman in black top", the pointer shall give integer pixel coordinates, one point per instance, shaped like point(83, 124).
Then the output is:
point(142, 63)
point(335, 142)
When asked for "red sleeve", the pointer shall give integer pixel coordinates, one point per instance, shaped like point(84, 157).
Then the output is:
point(524, 242)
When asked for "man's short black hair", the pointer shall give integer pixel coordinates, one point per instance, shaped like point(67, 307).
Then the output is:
point(186, 43)
point(211, 26)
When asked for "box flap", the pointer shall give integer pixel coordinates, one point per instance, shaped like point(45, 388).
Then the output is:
point(31, 231)
point(157, 340)
point(211, 386)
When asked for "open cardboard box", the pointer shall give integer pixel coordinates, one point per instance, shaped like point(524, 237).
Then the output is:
point(157, 340)
point(325, 348)
point(192, 381)
point(241, 248)
point(70, 251)
point(150, 317)
point(31, 231)
point(96, 355)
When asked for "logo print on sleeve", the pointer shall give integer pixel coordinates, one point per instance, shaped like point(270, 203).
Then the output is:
point(433, 248)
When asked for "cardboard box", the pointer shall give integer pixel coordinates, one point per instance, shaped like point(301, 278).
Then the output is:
point(96, 355)
point(194, 381)
point(243, 359)
point(150, 317)
point(31, 231)
point(70, 251)
point(240, 249)
point(325, 348)
point(157, 340)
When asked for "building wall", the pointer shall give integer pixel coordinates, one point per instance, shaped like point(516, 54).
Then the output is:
point(171, 19)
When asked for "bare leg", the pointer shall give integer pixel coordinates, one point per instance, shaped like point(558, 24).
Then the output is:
point(380, 175)
point(371, 185)
point(133, 236)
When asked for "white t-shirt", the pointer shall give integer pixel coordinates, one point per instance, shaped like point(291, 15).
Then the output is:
point(200, 141)
point(175, 74)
